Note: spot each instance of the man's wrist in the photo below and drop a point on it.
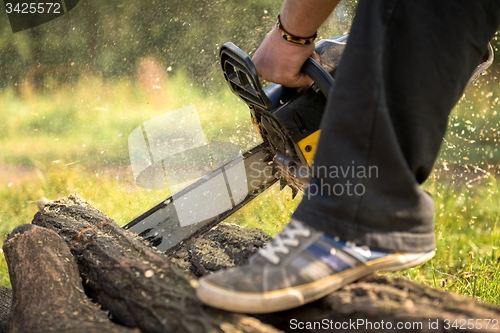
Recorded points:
(294, 38)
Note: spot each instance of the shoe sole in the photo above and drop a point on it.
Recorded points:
(289, 298)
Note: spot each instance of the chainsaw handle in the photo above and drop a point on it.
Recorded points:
(322, 79)
(241, 76)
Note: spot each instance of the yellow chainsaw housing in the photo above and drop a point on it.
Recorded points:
(308, 146)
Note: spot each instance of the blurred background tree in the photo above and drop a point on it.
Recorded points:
(110, 38)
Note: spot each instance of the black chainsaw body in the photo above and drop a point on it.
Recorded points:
(285, 116)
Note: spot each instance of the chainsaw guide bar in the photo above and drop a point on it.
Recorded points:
(288, 121)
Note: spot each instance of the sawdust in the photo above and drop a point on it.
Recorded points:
(225, 245)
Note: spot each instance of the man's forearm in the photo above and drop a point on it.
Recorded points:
(304, 17)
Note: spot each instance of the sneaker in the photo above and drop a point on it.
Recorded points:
(299, 266)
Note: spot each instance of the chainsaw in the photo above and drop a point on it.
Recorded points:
(288, 121)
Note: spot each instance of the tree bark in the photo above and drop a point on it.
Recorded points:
(143, 288)
(379, 304)
(138, 285)
(5, 305)
(48, 294)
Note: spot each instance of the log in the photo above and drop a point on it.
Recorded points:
(48, 294)
(138, 285)
(5, 305)
(143, 288)
(380, 303)
(225, 245)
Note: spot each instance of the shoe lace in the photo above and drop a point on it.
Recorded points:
(285, 239)
(362, 250)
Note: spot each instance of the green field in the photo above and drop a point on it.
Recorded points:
(74, 140)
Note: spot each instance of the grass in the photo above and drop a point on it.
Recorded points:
(89, 123)
(467, 230)
(74, 140)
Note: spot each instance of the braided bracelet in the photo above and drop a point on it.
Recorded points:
(294, 39)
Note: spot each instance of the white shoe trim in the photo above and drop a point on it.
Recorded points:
(288, 298)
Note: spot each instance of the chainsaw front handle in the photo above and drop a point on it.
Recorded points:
(322, 79)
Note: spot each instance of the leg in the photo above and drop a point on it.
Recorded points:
(404, 68)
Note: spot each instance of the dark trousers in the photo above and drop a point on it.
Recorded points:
(405, 66)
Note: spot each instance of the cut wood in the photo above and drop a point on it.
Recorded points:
(48, 294)
(5, 305)
(384, 304)
(139, 286)
(143, 288)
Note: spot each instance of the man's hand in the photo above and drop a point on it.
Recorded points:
(280, 61)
